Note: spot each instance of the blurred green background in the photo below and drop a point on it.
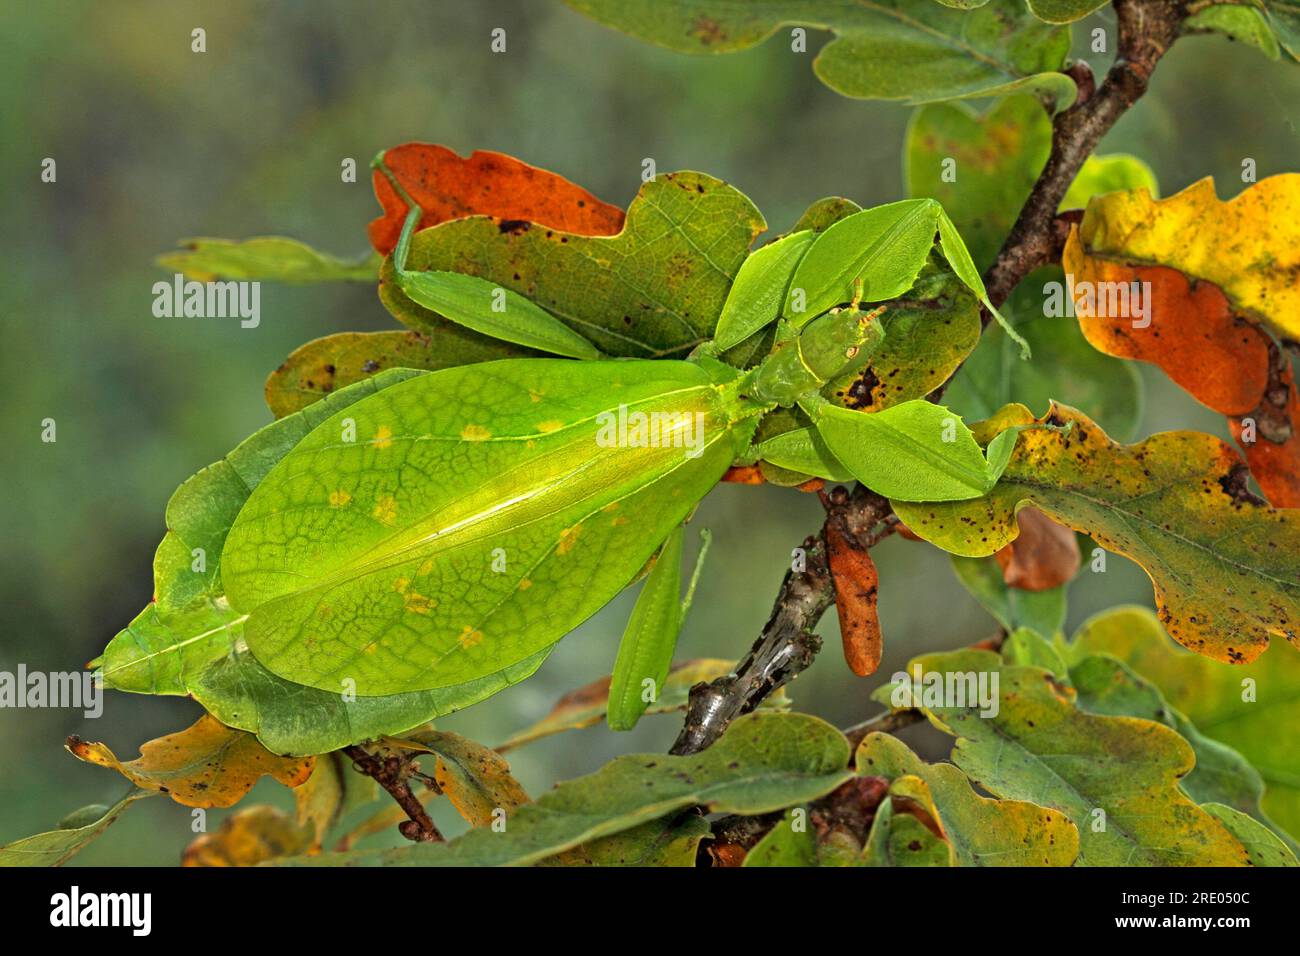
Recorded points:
(155, 143)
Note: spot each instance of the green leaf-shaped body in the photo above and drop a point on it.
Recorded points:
(479, 514)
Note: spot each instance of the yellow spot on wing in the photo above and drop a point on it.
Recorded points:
(417, 603)
(525, 584)
(401, 584)
(469, 637)
(339, 499)
(383, 437)
(534, 395)
(426, 567)
(619, 521)
(385, 511)
(568, 538)
(475, 433)
(549, 426)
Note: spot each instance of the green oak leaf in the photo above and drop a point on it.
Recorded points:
(75, 832)
(273, 258)
(980, 831)
(1028, 648)
(898, 839)
(379, 561)
(1225, 568)
(1240, 706)
(1261, 843)
(1245, 23)
(1064, 367)
(980, 167)
(1106, 685)
(325, 365)
(886, 49)
(654, 290)
(764, 762)
(783, 845)
(824, 213)
(1064, 11)
(1109, 174)
(673, 840)
(1040, 747)
(1041, 611)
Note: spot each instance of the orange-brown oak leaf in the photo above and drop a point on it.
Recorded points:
(205, 765)
(1043, 556)
(1219, 358)
(447, 186)
(1270, 438)
(1221, 280)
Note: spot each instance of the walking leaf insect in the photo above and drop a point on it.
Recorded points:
(462, 521)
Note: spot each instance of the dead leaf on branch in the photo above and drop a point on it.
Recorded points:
(1248, 246)
(247, 838)
(1043, 556)
(206, 765)
(475, 778)
(1221, 278)
(447, 186)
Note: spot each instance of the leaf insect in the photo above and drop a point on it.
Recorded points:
(371, 561)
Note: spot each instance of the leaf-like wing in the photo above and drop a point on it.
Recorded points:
(190, 641)
(205, 765)
(475, 520)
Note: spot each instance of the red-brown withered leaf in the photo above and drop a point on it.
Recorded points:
(1220, 278)
(447, 186)
(1218, 357)
(1272, 443)
(1044, 555)
(205, 765)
